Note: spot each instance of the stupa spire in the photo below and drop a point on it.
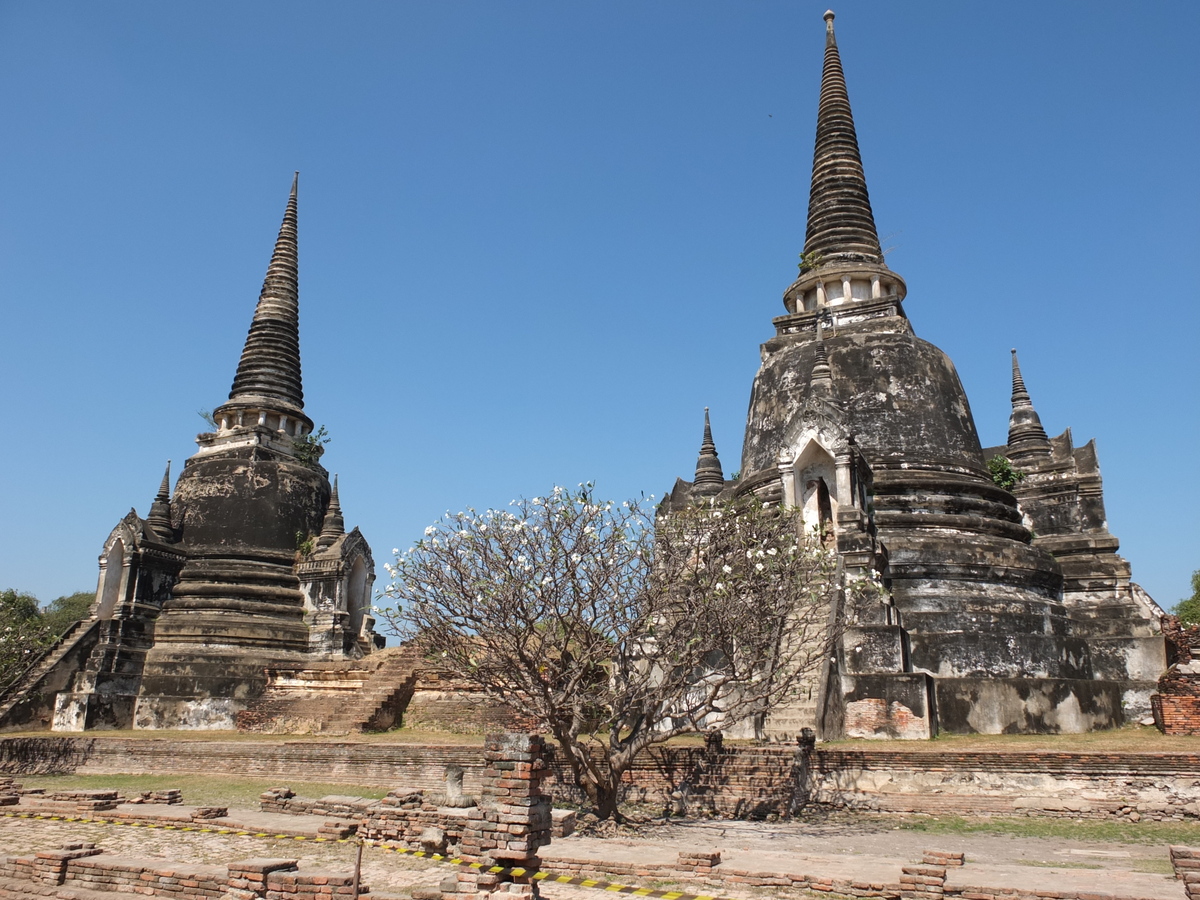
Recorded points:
(158, 521)
(710, 478)
(1026, 436)
(334, 526)
(268, 375)
(841, 226)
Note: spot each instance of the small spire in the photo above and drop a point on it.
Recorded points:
(821, 383)
(334, 525)
(164, 489)
(268, 374)
(841, 225)
(158, 522)
(710, 478)
(1026, 436)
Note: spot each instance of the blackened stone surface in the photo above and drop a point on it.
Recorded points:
(1026, 705)
(249, 500)
(238, 605)
(901, 395)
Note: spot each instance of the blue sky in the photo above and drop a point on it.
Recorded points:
(538, 238)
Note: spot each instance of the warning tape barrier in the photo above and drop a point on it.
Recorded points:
(483, 868)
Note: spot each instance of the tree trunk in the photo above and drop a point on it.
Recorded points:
(607, 803)
(601, 785)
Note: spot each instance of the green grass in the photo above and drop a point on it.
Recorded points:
(201, 790)
(1061, 829)
(1047, 864)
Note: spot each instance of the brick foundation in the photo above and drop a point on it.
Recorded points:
(62, 873)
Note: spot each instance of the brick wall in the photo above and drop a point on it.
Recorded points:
(761, 781)
(442, 702)
(737, 781)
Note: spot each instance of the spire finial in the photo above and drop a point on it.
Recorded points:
(1019, 393)
(164, 489)
(334, 526)
(158, 521)
(710, 477)
(268, 374)
(841, 226)
(1026, 436)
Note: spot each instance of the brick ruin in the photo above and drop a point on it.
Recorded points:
(1176, 705)
(1008, 609)
(505, 825)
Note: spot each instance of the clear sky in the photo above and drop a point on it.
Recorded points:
(538, 238)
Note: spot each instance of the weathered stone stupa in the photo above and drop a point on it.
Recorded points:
(246, 567)
(867, 428)
(253, 491)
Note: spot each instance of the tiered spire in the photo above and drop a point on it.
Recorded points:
(268, 375)
(158, 521)
(841, 226)
(1026, 436)
(710, 478)
(334, 525)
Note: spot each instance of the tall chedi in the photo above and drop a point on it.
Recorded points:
(866, 428)
(252, 494)
(233, 585)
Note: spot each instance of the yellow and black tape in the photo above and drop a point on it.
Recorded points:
(516, 871)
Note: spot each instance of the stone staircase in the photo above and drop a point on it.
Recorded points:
(381, 701)
(369, 694)
(50, 673)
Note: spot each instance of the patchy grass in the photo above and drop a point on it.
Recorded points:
(1130, 739)
(1060, 829)
(1047, 864)
(398, 736)
(201, 790)
(1153, 866)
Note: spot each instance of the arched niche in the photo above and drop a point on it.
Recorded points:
(112, 580)
(357, 599)
(815, 472)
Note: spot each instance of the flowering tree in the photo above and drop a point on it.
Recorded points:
(614, 634)
(23, 634)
